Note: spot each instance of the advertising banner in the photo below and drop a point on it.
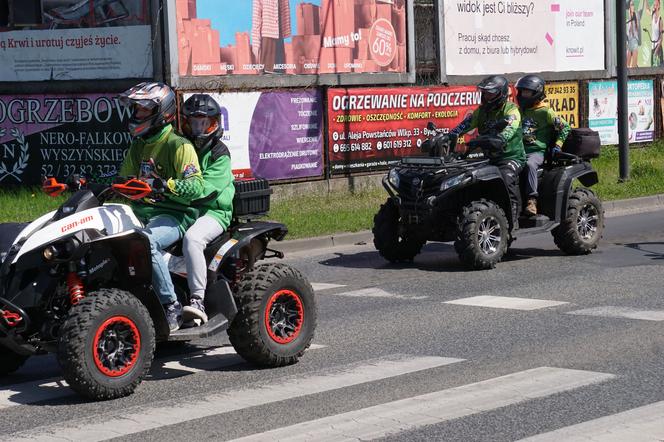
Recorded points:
(490, 36)
(603, 110)
(371, 128)
(75, 40)
(58, 135)
(644, 33)
(273, 135)
(291, 37)
(564, 99)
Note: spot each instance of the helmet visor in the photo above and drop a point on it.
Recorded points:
(198, 126)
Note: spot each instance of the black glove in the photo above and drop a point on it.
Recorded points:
(453, 141)
(158, 185)
(75, 182)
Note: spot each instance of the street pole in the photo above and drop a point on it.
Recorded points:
(623, 122)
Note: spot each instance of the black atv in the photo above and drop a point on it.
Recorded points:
(77, 282)
(463, 198)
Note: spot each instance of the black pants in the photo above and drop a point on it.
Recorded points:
(510, 171)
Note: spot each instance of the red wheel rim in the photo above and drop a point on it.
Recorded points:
(116, 346)
(284, 316)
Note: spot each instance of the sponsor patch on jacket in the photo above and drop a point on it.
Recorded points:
(190, 170)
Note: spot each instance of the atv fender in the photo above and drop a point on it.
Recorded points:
(132, 264)
(492, 186)
(556, 186)
(252, 238)
(8, 234)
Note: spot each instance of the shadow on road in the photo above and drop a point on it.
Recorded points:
(435, 257)
(653, 250)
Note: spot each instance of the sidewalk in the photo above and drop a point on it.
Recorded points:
(611, 209)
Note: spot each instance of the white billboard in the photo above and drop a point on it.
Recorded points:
(489, 36)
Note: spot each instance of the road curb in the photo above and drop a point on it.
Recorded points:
(611, 209)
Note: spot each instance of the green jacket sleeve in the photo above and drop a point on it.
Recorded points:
(187, 185)
(217, 177)
(559, 124)
(513, 117)
(469, 123)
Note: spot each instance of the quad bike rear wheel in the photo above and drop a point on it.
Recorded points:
(106, 344)
(482, 236)
(582, 228)
(389, 240)
(10, 361)
(276, 316)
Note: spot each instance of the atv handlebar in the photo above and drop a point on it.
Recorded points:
(130, 188)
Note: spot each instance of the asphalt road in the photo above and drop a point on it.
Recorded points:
(545, 344)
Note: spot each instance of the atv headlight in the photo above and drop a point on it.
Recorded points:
(60, 250)
(455, 181)
(393, 178)
(50, 253)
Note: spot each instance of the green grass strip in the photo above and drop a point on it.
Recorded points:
(315, 215)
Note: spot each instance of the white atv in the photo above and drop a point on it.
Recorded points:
(77, 282)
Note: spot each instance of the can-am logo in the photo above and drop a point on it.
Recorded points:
(75, 224)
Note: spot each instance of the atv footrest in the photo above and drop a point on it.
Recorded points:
(528, 222)
(215, 325)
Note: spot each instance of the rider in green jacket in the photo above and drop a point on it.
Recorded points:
(498, 117)
(159, 155)
(201, 123)
(543, 129)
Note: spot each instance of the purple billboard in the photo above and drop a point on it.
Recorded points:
(273, 135)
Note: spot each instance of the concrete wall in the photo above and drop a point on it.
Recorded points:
(324, 187)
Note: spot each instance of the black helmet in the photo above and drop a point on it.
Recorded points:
(532, 83)
(152, 107)
(201, 120)
(495, 90)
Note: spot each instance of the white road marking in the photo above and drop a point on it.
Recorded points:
(374, 292)
(643, 424)
(610, 311)
(138, 419)
(506, 302)
(54, 388)
(318, 286)
(433, 408)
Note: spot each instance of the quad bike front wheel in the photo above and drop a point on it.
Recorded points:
(106, 345)
(276, 316)
(482, 235)
(10, 361)
(579, 233)
(389, 240)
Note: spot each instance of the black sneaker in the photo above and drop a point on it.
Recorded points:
(173, 315)
(195, 312)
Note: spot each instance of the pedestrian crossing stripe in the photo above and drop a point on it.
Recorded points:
(139, 419)
(504, 302)
(434, 408)
(642, 423)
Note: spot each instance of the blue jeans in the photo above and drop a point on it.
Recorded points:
(162, 231)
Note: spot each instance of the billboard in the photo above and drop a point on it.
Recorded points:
(492, 36)
(371, 128)
(564, 99)
(644, 33)
(273, 135)
(603, 110)
(75, 40)
(58, 135)
(291, 37)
